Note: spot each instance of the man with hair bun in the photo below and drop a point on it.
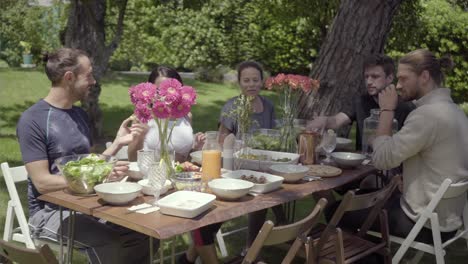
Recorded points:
(432, 145)
(53, 128)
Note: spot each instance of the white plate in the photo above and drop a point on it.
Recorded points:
(186, 204)
(264, 165)
(342, 143)
(196, 157)
(273, 182)
(146, 189)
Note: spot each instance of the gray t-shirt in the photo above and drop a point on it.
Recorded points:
(47, 133)
(265, 119)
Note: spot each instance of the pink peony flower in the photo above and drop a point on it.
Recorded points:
(143, 92)
(180, 110)
(188, 95)
(269, 83)
(143, 112)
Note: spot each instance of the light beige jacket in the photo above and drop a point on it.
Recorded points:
(433, 146)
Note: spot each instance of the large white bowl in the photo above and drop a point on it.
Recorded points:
(186, 203)
(118, 193)
(230, 189)
(272, 182)
(148, 190)
(348, 159)
(290, 172)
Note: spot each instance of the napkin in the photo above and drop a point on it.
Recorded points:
(144, 208)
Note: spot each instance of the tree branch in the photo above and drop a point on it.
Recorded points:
(119, 27)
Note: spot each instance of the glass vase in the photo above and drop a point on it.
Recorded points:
(157, 175)
(167, 157)
(288, 136)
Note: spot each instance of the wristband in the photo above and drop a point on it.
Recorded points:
(389, 110)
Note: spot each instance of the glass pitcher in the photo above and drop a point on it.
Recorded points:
(211, 157)
(371, 124)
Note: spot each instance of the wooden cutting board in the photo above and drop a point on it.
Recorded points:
(323, 171)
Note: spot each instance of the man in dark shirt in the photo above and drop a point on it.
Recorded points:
(379, 71)
(53, 128)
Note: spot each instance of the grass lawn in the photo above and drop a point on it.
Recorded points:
(19, 89)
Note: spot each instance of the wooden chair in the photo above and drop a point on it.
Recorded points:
(271, 235)
(331, 244)
(446, 190)
(23, 255)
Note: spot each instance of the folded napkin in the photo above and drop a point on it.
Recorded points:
(144, 208)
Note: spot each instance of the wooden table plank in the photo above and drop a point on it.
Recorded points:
(164, 226)
(82, 204)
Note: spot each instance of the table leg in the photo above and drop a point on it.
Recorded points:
(151, 250)
(173, 250)
(71, 234)
(61, 257)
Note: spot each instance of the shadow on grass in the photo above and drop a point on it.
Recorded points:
(9, 116)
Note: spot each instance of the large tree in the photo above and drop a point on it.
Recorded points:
(86, 30)
(360, 28)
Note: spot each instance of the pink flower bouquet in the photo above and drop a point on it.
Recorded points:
(171, 100)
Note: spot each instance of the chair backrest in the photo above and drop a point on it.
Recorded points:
(353, 202)
(270, 235)
(13, 176)
(122, 154)
(22, 255)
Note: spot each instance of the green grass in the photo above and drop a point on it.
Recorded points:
(19, 89)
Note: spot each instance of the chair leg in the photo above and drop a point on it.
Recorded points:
(221, 243)
(409, 239)
(340, 257)
(292, 251)
(438, 250)
(8, 231)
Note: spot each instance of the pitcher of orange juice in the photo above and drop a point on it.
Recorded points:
(211, 157)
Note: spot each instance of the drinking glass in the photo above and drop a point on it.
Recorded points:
(328, 143)
(144, 160)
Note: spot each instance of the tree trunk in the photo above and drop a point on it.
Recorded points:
(86, 31)
(359, 29)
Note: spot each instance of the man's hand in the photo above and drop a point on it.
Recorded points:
(319, 123)
(388, 98)
(119, 171)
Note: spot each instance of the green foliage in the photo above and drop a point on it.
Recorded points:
(440, 27)
(36, 25)
(464, 106)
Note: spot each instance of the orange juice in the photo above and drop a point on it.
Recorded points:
(211, 164)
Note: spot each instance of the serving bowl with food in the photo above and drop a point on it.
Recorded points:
(290, 172)
(263, 182)
(188, 181)
(261, 160)
(265, 139)
(84, 171)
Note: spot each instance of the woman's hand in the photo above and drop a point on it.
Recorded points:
(199, 141)
(127, 134)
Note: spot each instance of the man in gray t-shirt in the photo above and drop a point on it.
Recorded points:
(53, 128)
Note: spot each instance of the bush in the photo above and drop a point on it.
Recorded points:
(464, 106)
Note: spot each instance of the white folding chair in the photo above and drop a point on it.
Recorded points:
(446, 190)
(14, 208)
(122, 154)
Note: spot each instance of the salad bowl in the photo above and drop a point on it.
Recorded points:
(84, 171)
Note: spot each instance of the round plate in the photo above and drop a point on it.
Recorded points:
(323, 171)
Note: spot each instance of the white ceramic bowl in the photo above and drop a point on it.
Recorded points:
(272, 183)
(290, 172)
(118, 193)
(134, 171)
(230, 189)
(148, 190)
(348, 159)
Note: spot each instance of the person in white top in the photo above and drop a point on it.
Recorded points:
(182, 139)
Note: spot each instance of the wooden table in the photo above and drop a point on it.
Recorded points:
(161, 226)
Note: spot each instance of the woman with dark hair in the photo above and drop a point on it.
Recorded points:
(182, 138)
(250, 77)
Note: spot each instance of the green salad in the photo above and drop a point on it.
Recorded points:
(265, 142)
(83, 174)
